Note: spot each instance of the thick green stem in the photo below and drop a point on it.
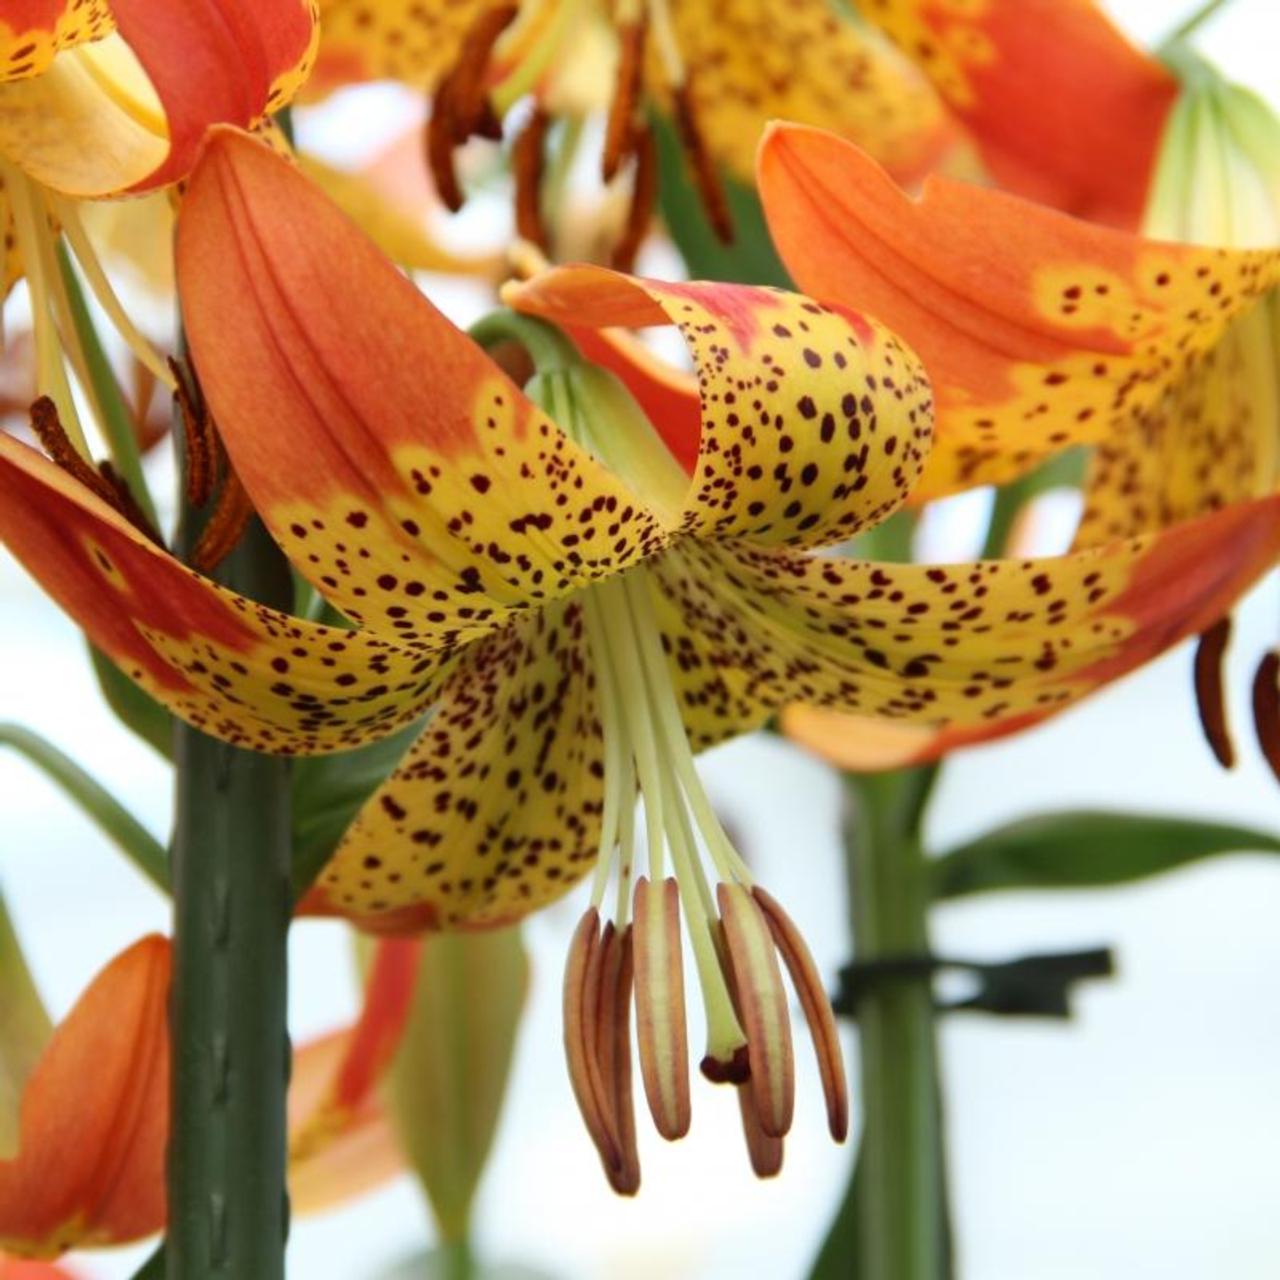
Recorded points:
(228, 1214)
(902, 1231)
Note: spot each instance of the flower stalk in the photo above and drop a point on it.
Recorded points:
(902, 1228)
(232, 900)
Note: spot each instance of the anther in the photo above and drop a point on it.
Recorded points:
(620, 132)
(660, 1016)
(226, 524)
(705, 176)
(1210, 697)
(201, 440)
(613, 1052)
(644, 194)
(527, 157)
(764, 1152)
(1266, 709)
(762, 1006)
(817, 1011)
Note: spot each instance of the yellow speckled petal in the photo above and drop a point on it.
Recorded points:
(236, 669)
(815, 420)
(407, 477)
(33, 31)
(495, 811)
(998, 643)
(1211, 440)
(1037, 330)
(752, 61)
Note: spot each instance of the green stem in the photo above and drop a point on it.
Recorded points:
(113, 415)
(228, 1209)
(548, 348)
(1197, 19)
(459, 1261)
(902, 1228)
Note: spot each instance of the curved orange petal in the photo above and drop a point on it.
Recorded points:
(1063, 108)
(33, 31)
(815, 420)
(1037, 330)
(21, 1269)
(216, 61)
(401, 470)
(230, 666)
(90, 1165)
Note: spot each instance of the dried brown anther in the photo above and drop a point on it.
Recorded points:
(1210, 697)
(1266, 709)
(201, 440)
(624, 110)
(613, 1051)
(765, 1152)
(527, 156)
(226, 524)
(705, 175)
(644, 195)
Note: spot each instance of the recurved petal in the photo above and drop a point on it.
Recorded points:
(495, 811)
(1063, 108)
(982, 648)
(33, 31)
(815, 419)
(1037, 330)
(407, 477)
(227, 665)
(863, 744)
(90, 1163)
(753, 61)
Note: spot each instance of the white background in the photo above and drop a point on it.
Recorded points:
(1141, 1139)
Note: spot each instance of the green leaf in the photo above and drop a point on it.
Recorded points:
(107, 813)
(838, 1257)
(133, 706)
(154, 1268)
(449, 1077)
(1087, 849)
(750, 259)
(446, 1263)
(24, 1031)
(328, 791)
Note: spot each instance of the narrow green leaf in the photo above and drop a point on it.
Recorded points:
(327, 793)
(133, 706)
(154, 1268)
(750, 259)
(838, 1257)
(448, 1263)
(449, 1078)
(1087, 849)
(24, 1031)
(107, 813)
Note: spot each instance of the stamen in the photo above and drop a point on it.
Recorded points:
(644, 195)
(660, 1017)
(1266, 709)
(579, 1041)
(613, 1052)
(1210, 696)
(764, 1152)
(202, 446)
(762, 1005)
(705, 175)
(225, 526)
(527, 157)
(441, 128)
(127, 504)
(817, 1011)
(620, 132)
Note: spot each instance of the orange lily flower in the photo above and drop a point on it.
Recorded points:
(22, 1269)
(1063, 109)
(720, 70)
(89, 1169)
(582, 613)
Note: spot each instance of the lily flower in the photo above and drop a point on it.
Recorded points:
(720, 72)
(581, 611)
(110, 98)
(1062, 107)
(94, 1120)
(1041, 331)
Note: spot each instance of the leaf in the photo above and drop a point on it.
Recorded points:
(750, 259)
(95, 801)
(451, 1264)
(838, 1257)
(449, 1077)
(327, 793)
(24, 1031)
(1087, 849)
(133, 706)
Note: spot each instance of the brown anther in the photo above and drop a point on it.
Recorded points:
(644, 195)
(660, 1017)
(620, 132)
(762, 1006)
(705, 175)
(613, 1052)
(527, 154)
(764, 1151)
(580, 1040)
(57, 445)
(1210, 698)
(226, 524)
(817, 1011)
(460, 104)
(735, 1069)
(202, 445)
(1266, 709)
(127, 504)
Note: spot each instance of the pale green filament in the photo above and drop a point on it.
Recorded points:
(531, 68)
